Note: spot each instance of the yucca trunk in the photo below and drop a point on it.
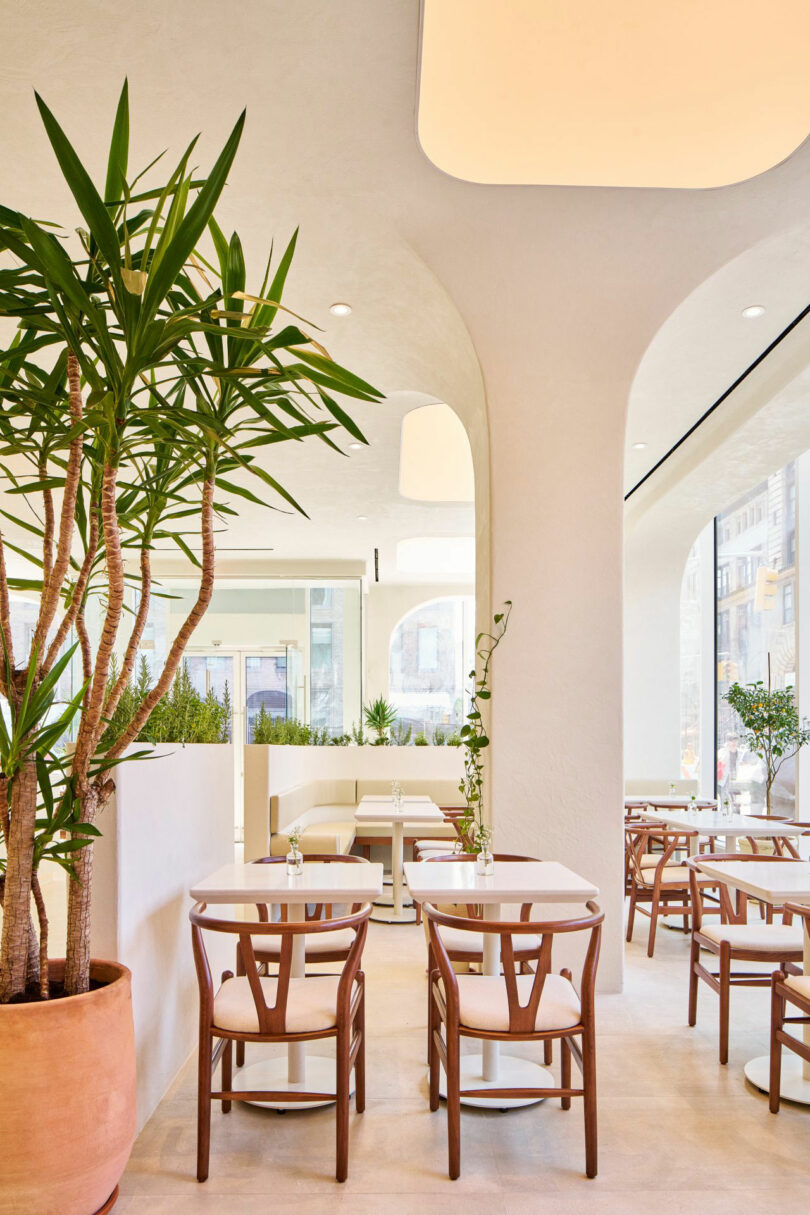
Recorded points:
(16, 935)
(80, 887)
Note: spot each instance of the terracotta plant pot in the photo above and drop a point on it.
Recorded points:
(67, 1097)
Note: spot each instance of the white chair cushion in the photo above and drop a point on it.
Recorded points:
(311, 1004)
(671, 875)
(457, 940)
(314, 942)
(651, 859)
(757, 936)
(484, 1004)
(800, 984)
(434, 845)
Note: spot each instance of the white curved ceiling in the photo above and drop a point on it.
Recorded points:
(706, 344)
(626, 93)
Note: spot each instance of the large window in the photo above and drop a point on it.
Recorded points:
(431, 655)
(295, 643)
(691, 659)
(756, 558)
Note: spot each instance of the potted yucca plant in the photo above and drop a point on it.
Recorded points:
(141, 386)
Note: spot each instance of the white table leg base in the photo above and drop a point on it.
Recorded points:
(273, 1074)
(512, 1073)
(387, 915)
(794, 1087)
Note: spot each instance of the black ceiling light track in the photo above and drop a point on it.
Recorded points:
(723, 397)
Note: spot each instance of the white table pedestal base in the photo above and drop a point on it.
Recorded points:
(274, 1073)
(383, 914)
(512, 1073)
(794, 1087)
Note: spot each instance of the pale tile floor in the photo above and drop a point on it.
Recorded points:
(671, 1121)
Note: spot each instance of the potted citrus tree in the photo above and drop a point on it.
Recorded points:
(773, 729)
(141, 387)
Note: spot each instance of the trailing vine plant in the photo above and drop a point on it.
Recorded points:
(474, 739)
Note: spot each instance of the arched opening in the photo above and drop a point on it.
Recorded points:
(430, 656)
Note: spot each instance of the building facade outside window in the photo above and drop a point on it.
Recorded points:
(431, 653)
(756, 567)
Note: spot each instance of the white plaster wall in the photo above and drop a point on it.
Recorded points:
(169, 824)
(652, 655)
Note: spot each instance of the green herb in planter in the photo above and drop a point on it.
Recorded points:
(380, 716)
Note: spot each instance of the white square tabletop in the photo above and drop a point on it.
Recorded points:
(668, 801)
(512, 882)
(319, 883)
(714, 823)
(771, 881)
(383, 810)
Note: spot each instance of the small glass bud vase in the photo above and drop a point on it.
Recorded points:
(295, 861)
(485, 862)
(396, 794)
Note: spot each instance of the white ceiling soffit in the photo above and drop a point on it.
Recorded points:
(630, 93)
(707, 343)
(449, 556)
(435, 460)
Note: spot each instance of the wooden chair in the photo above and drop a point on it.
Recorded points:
(317, 949)
(733, 940)
(468, 947)
(335, 947)
(279, 1009)
(778, 845)
(793, 989)
(653, 843)
(514, 1008)
(452, 815)
(659, 883)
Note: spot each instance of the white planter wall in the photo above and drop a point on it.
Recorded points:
(170, 823)
(272, 769)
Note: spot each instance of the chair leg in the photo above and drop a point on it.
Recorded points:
(453, 1102)
(227, 1073)
(653, 926)
(725, 992)
(434, 1062)
(431, 965)
(240, 1054)
(565, 1071)
(589, 1099)
(631, 912)
(548, 1052)
(342, 1113)
(694, 958)
(360, 1061)
(777, 1018)
(204, 1105)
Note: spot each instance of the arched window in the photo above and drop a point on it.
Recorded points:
(430, 657)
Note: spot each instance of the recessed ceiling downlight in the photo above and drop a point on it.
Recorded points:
(753, 311)
(356, 446)
(639, 446)
(340, 309)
